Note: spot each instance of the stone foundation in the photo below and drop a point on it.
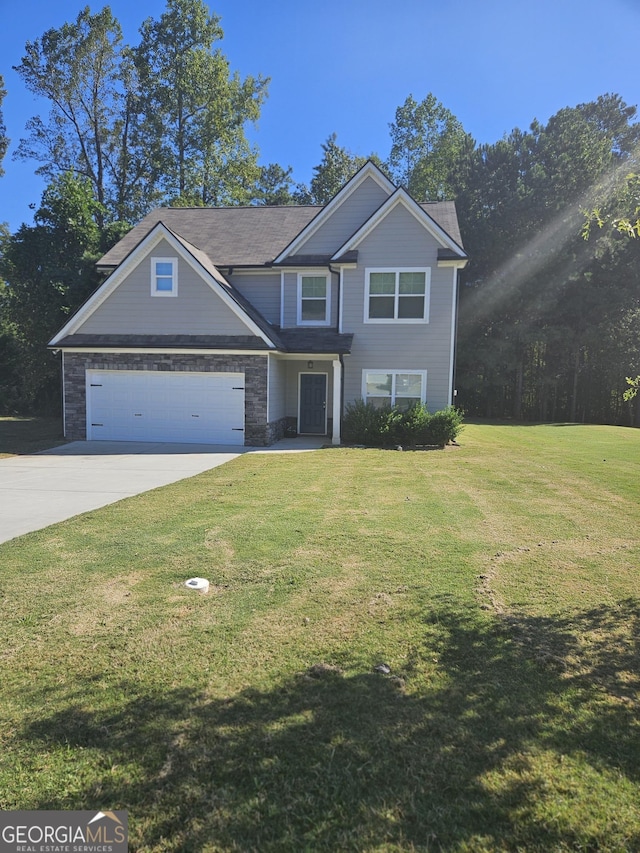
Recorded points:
(276, 430)
(257, 432)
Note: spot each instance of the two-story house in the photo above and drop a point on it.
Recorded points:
(236, 325)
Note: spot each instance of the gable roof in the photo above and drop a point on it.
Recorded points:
(264, 337)
(255, 322)
(369, 170)
(261, 236)
(402, 197)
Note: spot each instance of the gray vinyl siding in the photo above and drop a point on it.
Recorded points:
(263, 292)
(400, 241)
(291, 297)
(346, 220)
(277, 389)
(131, 309)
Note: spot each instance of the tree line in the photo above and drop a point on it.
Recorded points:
(549, 314)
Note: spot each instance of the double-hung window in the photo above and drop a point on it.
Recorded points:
(397, 295)
(314, 299)
(164, 276)
(400, 388)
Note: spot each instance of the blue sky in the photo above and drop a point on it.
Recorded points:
(344, 66)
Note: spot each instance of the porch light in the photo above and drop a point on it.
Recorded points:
(309, 365)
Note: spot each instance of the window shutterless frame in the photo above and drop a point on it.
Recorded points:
(164, 276)
(314, 299)
(394, 387)
(397, 295)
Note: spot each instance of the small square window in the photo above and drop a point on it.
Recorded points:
(164, 276)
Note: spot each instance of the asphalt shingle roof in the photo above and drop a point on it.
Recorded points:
(246, 236)
(444, 213)
(230, 236)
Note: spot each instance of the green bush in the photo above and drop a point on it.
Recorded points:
(444, 426)
(367, 424)
(414, 426)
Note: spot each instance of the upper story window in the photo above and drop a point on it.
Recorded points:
(164, 276)
(397, 295)
(314, 300)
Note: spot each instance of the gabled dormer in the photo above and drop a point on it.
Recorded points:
(353, 205)
(448, 249)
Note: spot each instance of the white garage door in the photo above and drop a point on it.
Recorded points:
(138, 405)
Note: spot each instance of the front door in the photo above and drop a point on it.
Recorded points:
(313, 403)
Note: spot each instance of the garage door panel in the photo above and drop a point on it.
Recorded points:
(173, 406)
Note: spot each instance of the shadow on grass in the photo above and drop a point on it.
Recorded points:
(29, 435)
(352, 763)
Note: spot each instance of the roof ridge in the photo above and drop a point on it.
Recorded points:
(242, 207)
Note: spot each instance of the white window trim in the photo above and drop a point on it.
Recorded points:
(174, 276)
(397, 270)
(327, 278)
(394, 371)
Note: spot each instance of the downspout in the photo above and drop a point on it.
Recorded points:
(338, 331)
(341, 360)
(339, 274)
(455, 339)
(282, 299)
(64, 397)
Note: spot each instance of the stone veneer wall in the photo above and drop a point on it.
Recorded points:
(257, 432)
(276, 430)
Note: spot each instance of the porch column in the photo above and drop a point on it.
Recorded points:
(337, 397)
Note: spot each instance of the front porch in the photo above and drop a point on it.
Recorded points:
(305, 396)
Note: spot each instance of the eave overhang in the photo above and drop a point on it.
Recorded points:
(311, 342)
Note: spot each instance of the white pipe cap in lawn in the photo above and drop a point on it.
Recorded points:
(200, 584)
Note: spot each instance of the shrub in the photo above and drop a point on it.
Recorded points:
(444, 426)
(367, 424)
(413, 427)
(387, 426)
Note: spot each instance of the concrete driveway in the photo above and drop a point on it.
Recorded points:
(47, 487)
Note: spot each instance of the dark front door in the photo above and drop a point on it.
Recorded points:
(313, 403)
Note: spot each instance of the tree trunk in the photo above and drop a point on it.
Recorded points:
(517, 401)
(574, 390)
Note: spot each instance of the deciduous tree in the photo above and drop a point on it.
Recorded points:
(4, 140)
(85, 73)
(427, 146)
(49, 268)
(195, 110)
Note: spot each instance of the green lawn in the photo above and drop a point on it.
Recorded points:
(498, 580)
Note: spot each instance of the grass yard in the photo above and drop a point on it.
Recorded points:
(498, 581)
(29, 435)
